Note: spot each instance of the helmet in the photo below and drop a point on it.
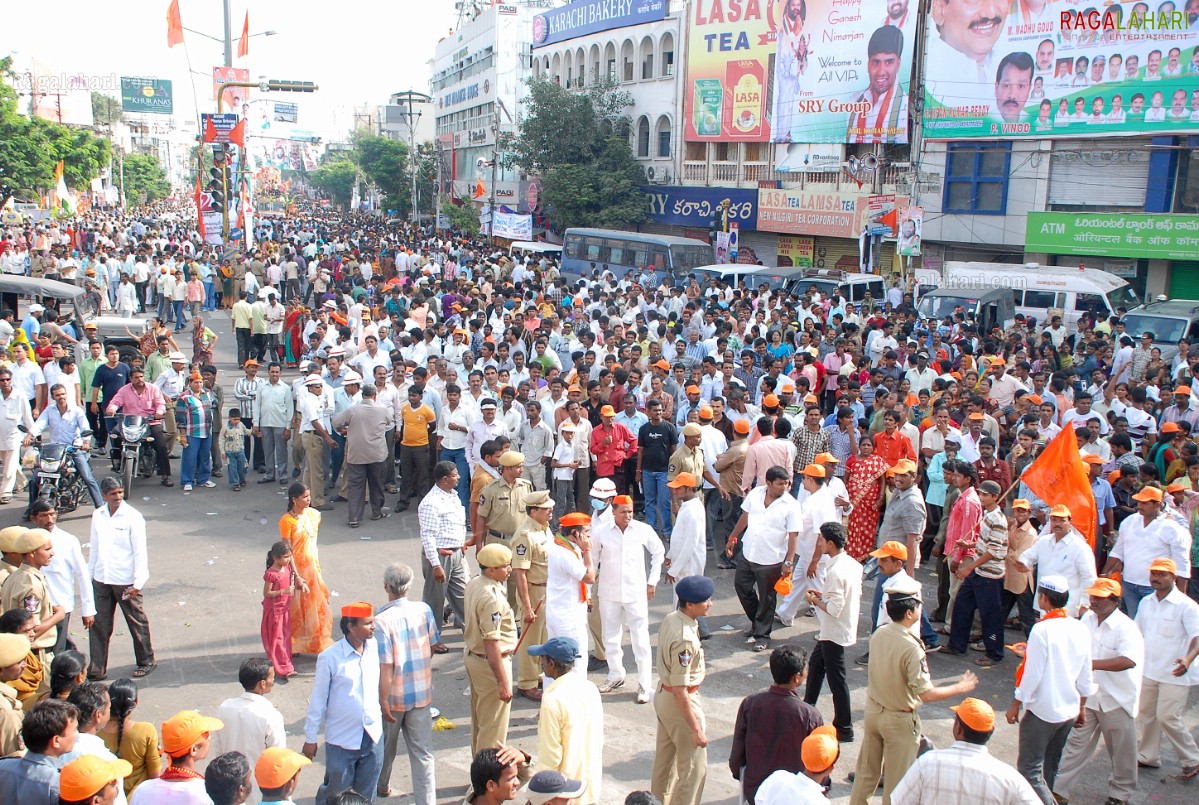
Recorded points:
(603, 488)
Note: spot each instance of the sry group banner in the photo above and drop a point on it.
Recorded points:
(1059, 69)
(842, 70)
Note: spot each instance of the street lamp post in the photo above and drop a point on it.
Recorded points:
(411, 98)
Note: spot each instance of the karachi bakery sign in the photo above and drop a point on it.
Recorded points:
(592, 16)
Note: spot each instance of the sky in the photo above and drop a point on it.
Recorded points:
(358, 52)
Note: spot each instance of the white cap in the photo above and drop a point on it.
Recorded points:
(1055, 584)
(352, 377)
(36, 308)
(177, 357)
(603, 488)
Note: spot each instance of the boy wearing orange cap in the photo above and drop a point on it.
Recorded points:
(277, 773)
(91, 780)
(819, 753)
(185, 742)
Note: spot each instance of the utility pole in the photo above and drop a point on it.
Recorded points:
(228, 34)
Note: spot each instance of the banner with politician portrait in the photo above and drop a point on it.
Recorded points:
(1061, 68)
(841, 71)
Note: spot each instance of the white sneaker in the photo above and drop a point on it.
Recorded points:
(187, 487)
(642, 695)
(611, 685)
(208, 485)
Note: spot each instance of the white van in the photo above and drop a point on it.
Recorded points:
(534, 247)
(1039, 291)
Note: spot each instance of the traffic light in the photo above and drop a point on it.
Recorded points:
(221, 181)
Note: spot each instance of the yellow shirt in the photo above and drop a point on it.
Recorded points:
(570, 732)
(416, 425)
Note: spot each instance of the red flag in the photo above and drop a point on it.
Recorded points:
(199, 212)
(243, 44)
(174, 25)
(1058, 476)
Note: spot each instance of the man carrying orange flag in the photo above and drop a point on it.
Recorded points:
(1058, 476)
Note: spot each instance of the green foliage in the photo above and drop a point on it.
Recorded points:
(465, 218)
(106, 109)
(579, 143)
(30, 149)
(384, 162)
(337, 179)
(145, 180)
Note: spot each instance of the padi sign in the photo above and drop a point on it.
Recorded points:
(592, 16)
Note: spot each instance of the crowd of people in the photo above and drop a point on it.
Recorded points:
(571, 444)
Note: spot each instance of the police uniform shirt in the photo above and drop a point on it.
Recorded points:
(503, 506)
(6, 570)
(686, 460)
(488, 616)
(898, 670)
(11, 716)
(680, 654)
(530, 552)
(27, 589)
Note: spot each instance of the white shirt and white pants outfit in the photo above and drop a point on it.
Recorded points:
(1111, 712)
(1169, 625)
(623, 595)
(817, 508)
(566, 599)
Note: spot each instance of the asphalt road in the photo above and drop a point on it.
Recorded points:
(207, 556)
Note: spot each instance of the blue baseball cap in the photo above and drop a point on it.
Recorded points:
(560, 649)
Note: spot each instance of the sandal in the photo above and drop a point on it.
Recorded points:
(441, 648)
(761, 647)
(4, 501)
(143, 670)
(167, 482)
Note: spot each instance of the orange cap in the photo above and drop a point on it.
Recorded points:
(825, 458)
(1149, 493)
(607, 410)
(683, 479)
(1171, 427)
(181, 731)
(1060, 510)
(662, 364)
(741, 426)
(85, 776)
(692, 389)
(1091, 458)
(573, 387)
(819, 752)
(893, 550)
(977, 416)
(1035, 399)
(358, 609)
(706, 412)
(277, 765)
(997, 361)
(1178, 486)
(770, 401)
(1182, 389)
(622, 500)
(1106, 588)
(814, 471)
(1163, 565)
(976, 714)
(575, 519)
(1021, 503)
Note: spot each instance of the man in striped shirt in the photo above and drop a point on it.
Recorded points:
(442, 520)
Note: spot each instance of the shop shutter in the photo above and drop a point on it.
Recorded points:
(1098, 173)
(1184, 280)
(764, 245)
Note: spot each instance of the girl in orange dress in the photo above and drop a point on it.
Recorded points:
(311, 617)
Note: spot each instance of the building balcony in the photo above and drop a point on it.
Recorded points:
(752, 174)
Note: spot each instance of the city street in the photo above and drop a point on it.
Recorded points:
(207, 555)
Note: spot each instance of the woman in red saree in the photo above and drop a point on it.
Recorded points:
(866, 481)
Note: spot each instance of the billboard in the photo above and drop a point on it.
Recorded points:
(795, 250)
(1065, 69)
(694, 206)
(235, 98)
(1150, 237)
(224, 129)
(286, 113)
(811, 212)
(592, 16)
(808, 158)
(730, 63)
(841, 71)
(146, 96)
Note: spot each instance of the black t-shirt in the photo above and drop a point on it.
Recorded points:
(659, 442)
(109, 380)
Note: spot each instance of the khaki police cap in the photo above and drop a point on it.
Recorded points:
(13, 649)
(31, 540)
(495, 555)
(8, 537)
(512, 459)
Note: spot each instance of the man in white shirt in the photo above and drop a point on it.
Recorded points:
(119, 569)
(625, 590)
(837, 608)
(1055, 680)
(345, 700)
(66, 572)
(1117, 658)
(252, 723)
(1145, 537)
(1063, 552)
(818, 504)
(1170, 622)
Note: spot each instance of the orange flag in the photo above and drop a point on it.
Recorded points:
(243, 44)
(480, 190)
(174, 25)
(1059, 476)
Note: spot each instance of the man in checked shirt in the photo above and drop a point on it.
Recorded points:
(443, 538)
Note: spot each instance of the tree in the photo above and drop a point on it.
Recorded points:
(465, 219)
(579, 143)
(106, 109)
(144, 179)
(336, 178)
(384, 161)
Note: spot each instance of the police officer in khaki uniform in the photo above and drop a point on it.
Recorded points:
(14, 648)
(490, 636)
(690, 456)
(530, 568)
(12, 559)
(681, 756)
(898, 683)
(502, 504)
(27, 589)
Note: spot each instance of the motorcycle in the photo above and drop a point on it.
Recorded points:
(137, 450)
(55, 475)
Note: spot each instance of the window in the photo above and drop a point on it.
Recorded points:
(1091, 302)
(663, 137)
(668, 63)
(643, 137)
(1045, 299)
(1186, 189)
(647, 68)
(976, 177)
